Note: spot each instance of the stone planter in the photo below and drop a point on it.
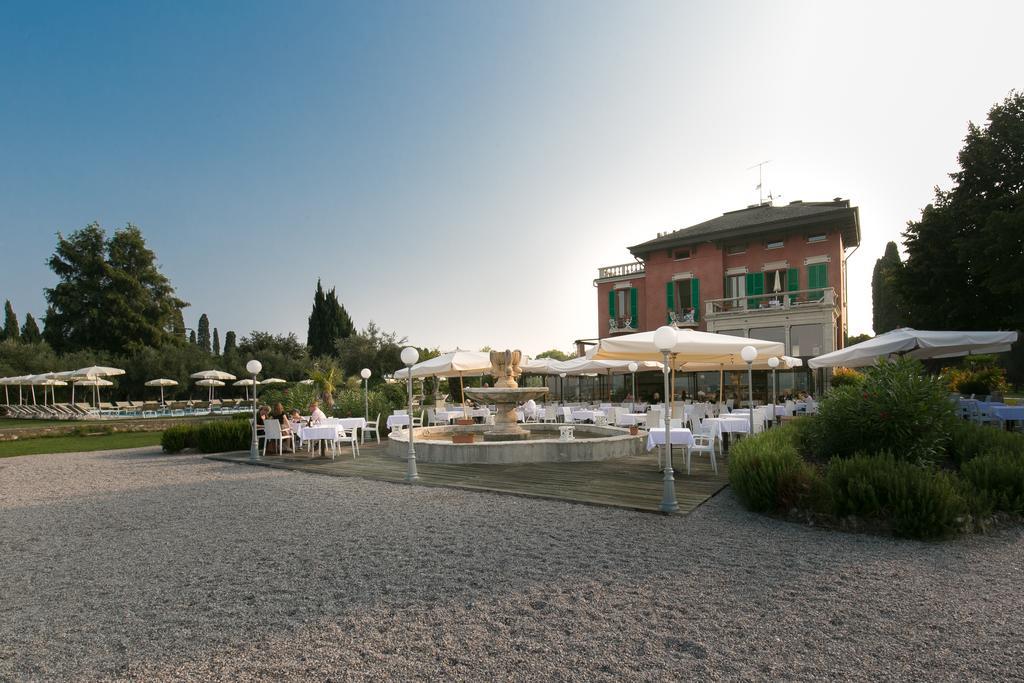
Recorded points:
(465, 421)
(463, 437)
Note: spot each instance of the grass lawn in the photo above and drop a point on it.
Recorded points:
(73, 444)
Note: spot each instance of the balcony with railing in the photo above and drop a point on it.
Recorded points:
(621, 325)
(801, 299)
(621, 270)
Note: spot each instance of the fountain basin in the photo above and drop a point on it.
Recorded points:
(542, 443)
(505, 400)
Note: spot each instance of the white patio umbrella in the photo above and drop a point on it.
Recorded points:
(211, 384)
(457, 363)
(778, 281)
(917, 344)
(95, 383)
(6, 383)
(48, 382)
(161, 382)
(91, 372)
(307, 382)
(273, 380)
(245, 383)
(213, 374)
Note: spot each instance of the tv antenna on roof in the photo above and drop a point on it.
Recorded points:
(760, 180)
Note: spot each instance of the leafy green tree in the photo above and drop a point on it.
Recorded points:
(216, 342)
(372, 348)
(966, 253)
(281, 355)
(192, 337)
(110, 293)
(177, 329)
(886, 305)
(857, 339)
(10, 322)
(203, 333)
(30, 333)
(230, 345)
(554, 353)
(329, 322)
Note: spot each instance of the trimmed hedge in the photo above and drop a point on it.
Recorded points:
(208, 437)
(997, 479)
(768, 475)
(914, 501)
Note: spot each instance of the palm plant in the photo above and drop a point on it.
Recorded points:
(325, 380)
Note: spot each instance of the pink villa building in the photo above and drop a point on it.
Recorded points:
(769, 272)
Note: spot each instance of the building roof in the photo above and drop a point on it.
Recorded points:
(764, 218)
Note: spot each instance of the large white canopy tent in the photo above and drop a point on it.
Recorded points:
(692, 348)
(917, 344)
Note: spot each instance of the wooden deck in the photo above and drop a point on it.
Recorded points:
(633, 483)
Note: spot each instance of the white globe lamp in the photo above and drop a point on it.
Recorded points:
(409, 357)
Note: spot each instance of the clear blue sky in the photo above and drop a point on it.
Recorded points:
(460, 170)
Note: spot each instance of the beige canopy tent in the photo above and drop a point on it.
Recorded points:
(457, 363)
(691, 348)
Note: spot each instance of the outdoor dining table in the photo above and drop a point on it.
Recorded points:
(738, 424)
(447, 415)
(630, 419)
(681, 436)
(398, 421)
(584, 415)
(1008, 414)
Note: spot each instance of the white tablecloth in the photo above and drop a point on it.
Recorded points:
(398, 420)
(1008, 412)
(582, 415)
(319, 433)
(680, 437)
(629, 419)
(351, 422)
(738, 425)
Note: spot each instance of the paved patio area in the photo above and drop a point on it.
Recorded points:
(632, 483)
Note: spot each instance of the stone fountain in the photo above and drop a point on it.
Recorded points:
(506, 395)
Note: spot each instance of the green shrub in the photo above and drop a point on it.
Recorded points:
(969, 440)
(177, 438)
(898, 407)
(768, 475)
(293, 397)
(998, 480)
(913, 501)
(349, 403)
(223, 435)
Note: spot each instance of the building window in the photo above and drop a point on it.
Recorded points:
(774, 244)
(622, 309)
(817, 276)
(681, 254)
(805, 340)
(682, 300)
(817, 238)
(775, 334)
(735, 289)
(736, 249)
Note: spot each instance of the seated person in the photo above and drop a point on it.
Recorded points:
(279, 414)
(294, 416)
(262, 415)
(316, 416)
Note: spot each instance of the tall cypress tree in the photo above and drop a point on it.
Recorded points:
(203, 333)
(216, 342)
(30, 331)
(886, 309)
(10, 323)
(315, 336)
(230, 342)
(191, 336)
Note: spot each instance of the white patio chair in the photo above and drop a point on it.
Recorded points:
(704, 442)
(550, 414)
(345, 436)
(654, 418)
(272, 432)
(675, 423)
(567, 417)
(373, 427)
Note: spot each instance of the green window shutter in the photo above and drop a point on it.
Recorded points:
(755, 285)
(695, 298)
(817, 277)
(611, 304)
(792, 282)
(670, 299)
(632, 307)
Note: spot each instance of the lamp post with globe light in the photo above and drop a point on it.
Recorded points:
(254, 367)
(665, 341)
(748, 354)
(632, 369)
(365, 374)
(773, 363)
(561, 388)
(409, 358)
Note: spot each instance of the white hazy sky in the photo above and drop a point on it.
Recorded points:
(459, 171)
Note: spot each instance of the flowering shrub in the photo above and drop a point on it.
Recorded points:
(898, 408)
(845, 376)
(979, 379)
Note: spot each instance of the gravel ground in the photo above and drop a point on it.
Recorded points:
(135, 565)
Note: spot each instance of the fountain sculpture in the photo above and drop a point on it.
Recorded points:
(506, 395)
